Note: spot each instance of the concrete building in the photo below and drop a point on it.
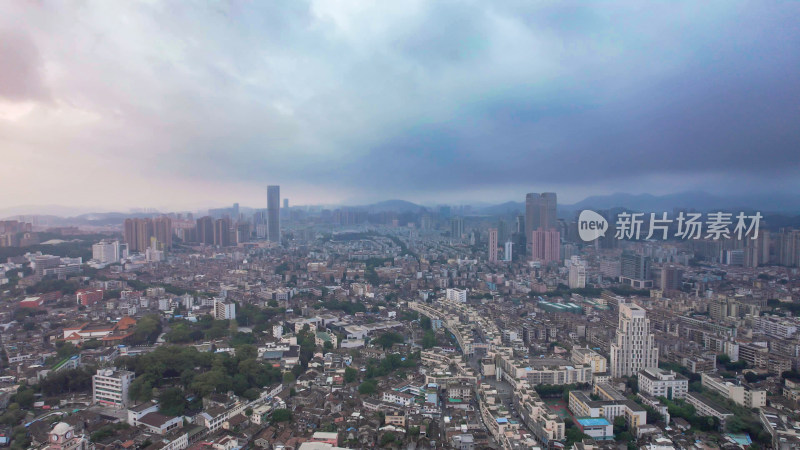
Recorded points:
(456, 295)
(224, 310)
(577, 273)
(706, 407)
(545, 246)
(106, 252)
(587, 356)
(273, 213)
(775, 326)
(110, 387)
(508, 252)
(492, 245)
(656, 382)
(635, 270)
(63, 437)
(635, 348)
(741, 395)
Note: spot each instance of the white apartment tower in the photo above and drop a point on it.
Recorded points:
(635, 348)
(577, 273)
(508, 251)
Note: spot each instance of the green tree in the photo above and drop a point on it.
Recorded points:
(388, 438)
(428, 339)
(368, 387)
(350, 375)
(24, 398)
(281, 415)
(620, 426)
(425, 322)
(172, 402)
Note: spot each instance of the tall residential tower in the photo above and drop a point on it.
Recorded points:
(635, 348)
(540, 213)
(273, 213)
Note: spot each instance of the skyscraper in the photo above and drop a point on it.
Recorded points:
(222, 232)
(492, 245)
(635, 270)
(508, 253)
(545, 246)
(162, 230)
(540, 212)
(456, 227)
(204, 231)
(635, 347)
(671, 278)
(273, 213)
(140, 233)
(502, 231)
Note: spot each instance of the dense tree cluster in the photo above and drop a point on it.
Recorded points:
(67, 381)
(206, 328)
(386, 340)
(198, 373)
(148, 328)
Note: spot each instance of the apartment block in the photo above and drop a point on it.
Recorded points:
(662, 383)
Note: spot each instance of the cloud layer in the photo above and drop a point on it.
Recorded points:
(186, 104)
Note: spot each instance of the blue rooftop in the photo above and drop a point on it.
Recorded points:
(592, 421)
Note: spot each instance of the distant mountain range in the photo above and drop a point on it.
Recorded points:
(700, 201)
(788, 204)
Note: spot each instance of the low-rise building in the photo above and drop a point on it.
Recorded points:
(739, 394)
(662, 383)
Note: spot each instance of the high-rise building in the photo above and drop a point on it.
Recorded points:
(273, 213)
(635, 270)
(457, 227)
(492, 245)
(756, 251)
(788, 247)
(508, 253)
(540, 212)
(635, 348)
(545, 246)
(204, 231)
(502, 231)
(139, 233)
(577, 273)
(222, 232)
(671, 278)
(162, 231)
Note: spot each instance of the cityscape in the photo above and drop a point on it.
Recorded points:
(322, 225)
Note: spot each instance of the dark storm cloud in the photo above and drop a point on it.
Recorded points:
(414, 99)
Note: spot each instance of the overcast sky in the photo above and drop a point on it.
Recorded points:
(181, 105)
